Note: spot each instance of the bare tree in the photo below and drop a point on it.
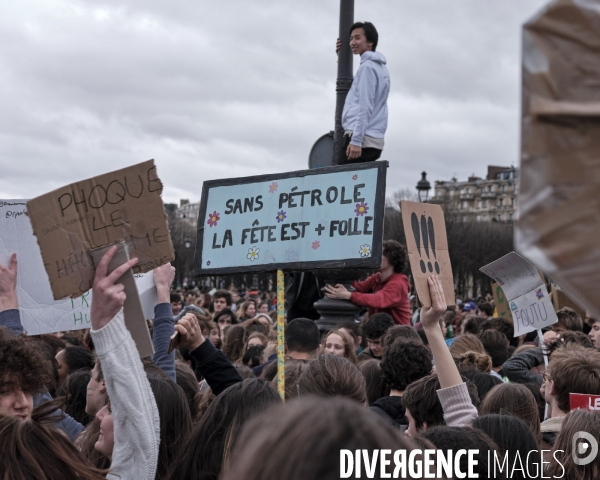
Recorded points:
(402, 194)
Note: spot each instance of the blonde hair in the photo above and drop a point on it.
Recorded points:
(466, 343)
(476, 360)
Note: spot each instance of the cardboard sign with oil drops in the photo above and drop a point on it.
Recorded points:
(427, 246)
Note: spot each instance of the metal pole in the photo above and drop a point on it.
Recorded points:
(344, 78)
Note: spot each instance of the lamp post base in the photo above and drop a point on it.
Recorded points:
(333, 311)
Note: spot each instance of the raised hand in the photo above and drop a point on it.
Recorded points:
(8, 285)
(163, 278)
(190, 335)
(430, 316)
(108, 296)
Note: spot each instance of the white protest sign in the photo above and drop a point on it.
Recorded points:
(40, 313)
(528, 299)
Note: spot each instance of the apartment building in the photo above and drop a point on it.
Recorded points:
(188, 211)
(489, 199)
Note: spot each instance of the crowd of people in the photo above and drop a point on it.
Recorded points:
(83, 405)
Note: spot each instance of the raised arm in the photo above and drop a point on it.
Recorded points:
(11, 320)
(447, 371)
(135, 414)
(454, 395)
(164, 325)
(9, 305)
(212, 364)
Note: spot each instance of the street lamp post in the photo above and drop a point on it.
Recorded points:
(423, 187)
(333, 311)
(344, 79)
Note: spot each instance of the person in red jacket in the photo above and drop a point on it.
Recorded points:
(386, 291)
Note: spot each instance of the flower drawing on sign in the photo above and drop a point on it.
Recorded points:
(280, 216)
(273, 187)
(539, 294)
(354, 177)
(364, 250)
(316, 244)
(213, 218)
(361, 209)
(253, 253)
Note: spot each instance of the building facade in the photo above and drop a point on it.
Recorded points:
(189, 212)
(489, 199)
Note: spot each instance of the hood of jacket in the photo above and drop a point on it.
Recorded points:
(373, 57)
(394, 407)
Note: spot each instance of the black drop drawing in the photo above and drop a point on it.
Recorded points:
(432, 243)
(417, 234)
(425, 231)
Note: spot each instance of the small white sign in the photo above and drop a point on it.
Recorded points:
(525, 292)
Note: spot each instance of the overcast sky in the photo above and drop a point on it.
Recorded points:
(236, 88)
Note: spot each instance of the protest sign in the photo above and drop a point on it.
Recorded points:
(427, 246)
(525, 292)
(502, 308)
(124, 205)
(40, 313)
(559, 206)
(582, 401)
(311, 219)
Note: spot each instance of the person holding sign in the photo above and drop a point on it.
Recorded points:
(386, 291)
(132, 446)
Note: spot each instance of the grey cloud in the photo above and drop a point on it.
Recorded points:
(236, 88)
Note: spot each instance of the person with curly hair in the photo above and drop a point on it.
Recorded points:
(24, 372)
(386, 291)
(404, 362)
(26, 377)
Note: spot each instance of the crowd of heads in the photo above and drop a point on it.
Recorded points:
(365, 384)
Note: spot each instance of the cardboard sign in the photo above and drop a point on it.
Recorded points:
(582, 401)
(525, 292)
(124, 205)
(502, 308)
(40, 313)
(427, 245)
(559, 206)
(326, 218)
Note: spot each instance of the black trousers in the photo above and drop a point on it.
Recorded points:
(367, 154)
